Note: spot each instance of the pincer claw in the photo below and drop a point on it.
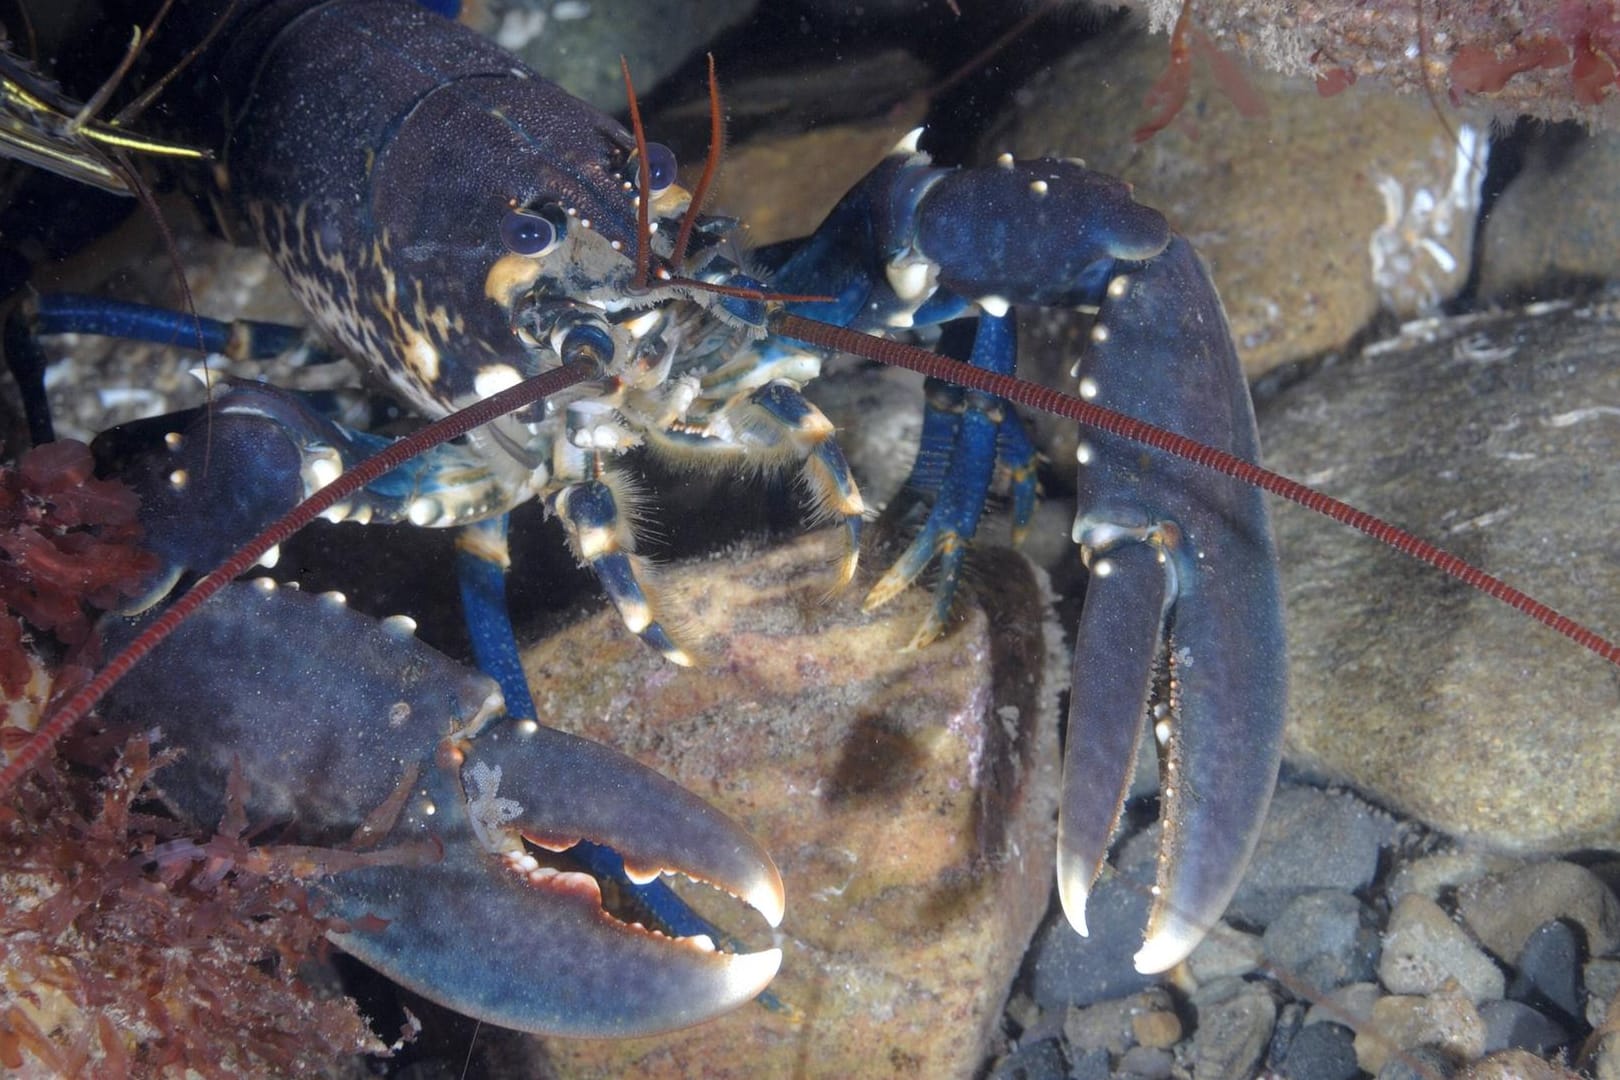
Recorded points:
(526, 946)
(469, 898)
(1183, 607)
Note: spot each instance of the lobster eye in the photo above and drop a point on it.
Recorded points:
(525, 232)
(660, 168)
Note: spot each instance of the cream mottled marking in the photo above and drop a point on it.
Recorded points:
(510, 277)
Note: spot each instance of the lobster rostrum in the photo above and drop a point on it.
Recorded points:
(464, 225)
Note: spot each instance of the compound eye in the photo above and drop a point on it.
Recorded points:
(525, 232)
(660, 168)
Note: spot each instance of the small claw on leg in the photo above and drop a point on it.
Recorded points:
(603, 540)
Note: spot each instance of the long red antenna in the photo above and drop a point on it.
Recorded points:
(711, 166)
(643, 182)
(390, 457)
(1074, 408)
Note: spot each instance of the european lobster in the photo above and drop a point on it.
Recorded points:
(457, 283)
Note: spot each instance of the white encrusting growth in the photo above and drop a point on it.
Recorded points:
(487, 809)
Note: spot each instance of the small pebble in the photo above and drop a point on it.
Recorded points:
(1518, 1065)
(1503, 910)
(1513, 1025)
(1158, 1030)
(1146, 1063)
(1608, 1059)
(1225, 952)
(1290, 1019)
(1348, 1005)
(1033, 1061)
(1548, 975)
(1433, 874)
(1109, 1025)
(1312, 840)
(1423, 948)
(1232, 1034)
(1023, 1011)
(1323, 939)
(1602, 978)
(1322, 1052)
(1091, 1065)
(1402, 1023)
(1419, 1063)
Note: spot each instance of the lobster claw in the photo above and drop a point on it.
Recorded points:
(357, 733)
(489, 932)
(1183, 588)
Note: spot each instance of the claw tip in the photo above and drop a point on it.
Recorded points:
(1165, 948)
(749, 974)
(768, 898)
(1073, 893)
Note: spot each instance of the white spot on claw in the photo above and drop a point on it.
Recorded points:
(995, 306)
(402, 626)
(908, 280)
(322, 471)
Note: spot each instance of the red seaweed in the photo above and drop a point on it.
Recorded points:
(69, 549)
(111, 967)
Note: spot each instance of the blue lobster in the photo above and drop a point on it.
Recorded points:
(459, 224)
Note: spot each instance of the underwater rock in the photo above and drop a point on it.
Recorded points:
(1493, 436)
(1311, 216)
(907, 796)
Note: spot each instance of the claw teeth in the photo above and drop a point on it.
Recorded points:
(559, 880)
(641, 877)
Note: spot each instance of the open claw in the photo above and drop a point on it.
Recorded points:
(500, 938)
(554, 789)
(1183, 595)
(323, 716)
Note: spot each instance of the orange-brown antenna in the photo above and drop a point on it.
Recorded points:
(643, 183)
(711, 166)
